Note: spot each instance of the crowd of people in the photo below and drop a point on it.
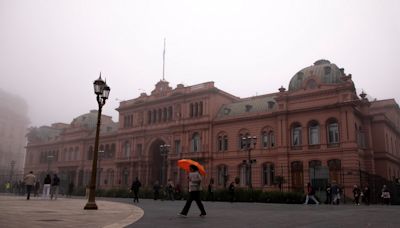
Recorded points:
(30, 184)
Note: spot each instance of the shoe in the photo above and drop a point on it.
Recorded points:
(181, 215)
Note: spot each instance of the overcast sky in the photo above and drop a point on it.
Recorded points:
(51, 51)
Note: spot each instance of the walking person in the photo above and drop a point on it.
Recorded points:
(46, 187)
(70, 189)
(310, 194)
(156, 190)
(194, 192)
(328, 192)
(210, 190)
(55, 184)
(170, 190)
(231, 190)
(366, 195)
(29, 180)
(385, 195)
(36, 188)
(135, 188)
(335, 193)
(356, 194)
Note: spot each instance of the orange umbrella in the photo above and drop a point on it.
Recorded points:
(186, 163)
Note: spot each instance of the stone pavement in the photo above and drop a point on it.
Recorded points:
(16, 211)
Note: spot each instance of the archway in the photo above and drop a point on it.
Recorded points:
(158, 164)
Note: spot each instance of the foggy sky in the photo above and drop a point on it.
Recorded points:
(51, 51)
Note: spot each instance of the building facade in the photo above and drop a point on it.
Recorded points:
(13, 128)
(319, 131)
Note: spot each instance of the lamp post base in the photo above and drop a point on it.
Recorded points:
(90, 206)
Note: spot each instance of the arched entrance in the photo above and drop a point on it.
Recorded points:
(158, 164)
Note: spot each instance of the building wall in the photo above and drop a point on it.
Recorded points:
(362, 147)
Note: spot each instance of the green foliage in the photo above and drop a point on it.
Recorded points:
(241, 195)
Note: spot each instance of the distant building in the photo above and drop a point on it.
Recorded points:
(13, 127)
(319, 131)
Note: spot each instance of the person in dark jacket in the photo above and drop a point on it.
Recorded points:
(135, 189)
(328, 194)
(356, 194)
(55, 186)
(156, 190)
(231, 190)
(366, 195)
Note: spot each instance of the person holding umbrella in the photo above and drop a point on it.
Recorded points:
(194, 192)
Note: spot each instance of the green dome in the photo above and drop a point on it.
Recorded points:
(323, 72)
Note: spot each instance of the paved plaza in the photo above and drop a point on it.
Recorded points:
(115, 212)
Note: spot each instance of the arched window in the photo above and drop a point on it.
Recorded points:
(159, 119)
(154, 119)
(242, 140)
(265, 139)
(271, 136)
(244, 175)
(268, 174)
(126, 149)
(335, 167)
(296, 134)
(200, 108)
(225, 143)
(149, 117)
(195, 142)
(169, 113)
(333, 131)
(222, 175)
(191, 110)
(219, 143)
(313, 133)
(296, 169)
(196, 109)
(165, 114)
(125, 176)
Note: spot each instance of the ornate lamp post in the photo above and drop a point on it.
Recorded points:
(102, 91)
(101, 154)
(164, 149)
(249, 143)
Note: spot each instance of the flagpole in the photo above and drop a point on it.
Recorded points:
(163, 67)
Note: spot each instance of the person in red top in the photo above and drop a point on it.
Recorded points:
(310, 194)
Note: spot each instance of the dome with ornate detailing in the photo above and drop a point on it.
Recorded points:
(322, 72)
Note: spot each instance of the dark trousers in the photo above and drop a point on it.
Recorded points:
(28, 191)
(136, 196)
(195, 195)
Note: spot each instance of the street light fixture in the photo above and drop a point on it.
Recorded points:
(249, 143)
(102, 92)
(164, 149)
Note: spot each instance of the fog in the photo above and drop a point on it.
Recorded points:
(52, 51)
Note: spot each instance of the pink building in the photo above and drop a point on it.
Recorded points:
(319, 131)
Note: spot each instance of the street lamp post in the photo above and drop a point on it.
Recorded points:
(164, 149)
(249, 143)
(49, 160)
(102, 91)
(101, 154)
